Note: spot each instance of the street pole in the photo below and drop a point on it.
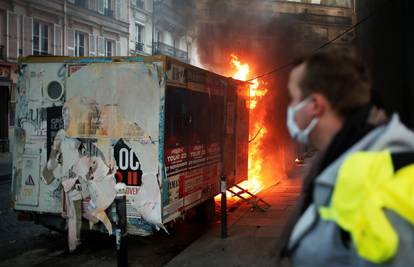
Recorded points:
(121, 225)
(223, 187)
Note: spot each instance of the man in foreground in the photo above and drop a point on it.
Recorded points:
(357, 207)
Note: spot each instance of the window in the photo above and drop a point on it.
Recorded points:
(108, 8)
(109, 48)
(140, 3)
(107, 4)
(40, 38)
(12, 110)
(139, 37)
(340, 3)
(79, 44)
(159, 36)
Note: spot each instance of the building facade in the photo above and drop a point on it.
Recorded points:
(311, 23)
(172, 33)
(81, 28)
(319, 21)
(141, 27)
(160, 27)
(54, 27)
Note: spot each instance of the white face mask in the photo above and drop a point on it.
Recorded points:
(299, 135)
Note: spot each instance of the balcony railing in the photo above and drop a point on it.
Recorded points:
(323, 19)
(81, 3)
(168, 50)
(138, 3)
(108, 12)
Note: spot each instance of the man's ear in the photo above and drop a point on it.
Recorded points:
(319, 105)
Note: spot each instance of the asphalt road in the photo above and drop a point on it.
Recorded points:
(28, 244)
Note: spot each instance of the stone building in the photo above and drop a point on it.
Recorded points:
(161, 27)
(242, 25)
(141, 27)
(172, 33)
(55, 27)
(83, 28)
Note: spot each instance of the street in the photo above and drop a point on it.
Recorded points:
(198, 133)
(28, 244)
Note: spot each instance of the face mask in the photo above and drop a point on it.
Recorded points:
(299, 135)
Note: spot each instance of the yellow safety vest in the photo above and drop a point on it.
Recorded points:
(366, 185)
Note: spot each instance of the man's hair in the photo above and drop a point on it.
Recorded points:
(338, 75)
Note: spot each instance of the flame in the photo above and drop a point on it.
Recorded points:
(257, 90)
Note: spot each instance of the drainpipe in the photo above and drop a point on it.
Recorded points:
(65, 10)
(153, 27)
(129, 16)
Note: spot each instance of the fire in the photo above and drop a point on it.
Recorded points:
(242, 70)
(257, 91)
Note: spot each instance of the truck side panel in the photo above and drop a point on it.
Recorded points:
(201, 138)
(40, 90)
(102, 126)
(126, 97)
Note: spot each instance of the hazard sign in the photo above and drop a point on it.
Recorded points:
(29, 180)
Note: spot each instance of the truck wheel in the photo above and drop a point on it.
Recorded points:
(206, 211)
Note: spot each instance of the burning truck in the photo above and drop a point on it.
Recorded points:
(166, 129)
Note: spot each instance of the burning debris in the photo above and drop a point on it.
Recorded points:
(222, 47)
(257, 130)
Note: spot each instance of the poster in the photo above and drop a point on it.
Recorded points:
(54, 124)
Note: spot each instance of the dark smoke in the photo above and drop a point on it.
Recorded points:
(262, 39)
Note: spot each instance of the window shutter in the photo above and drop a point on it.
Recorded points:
(12, 42)
(118, 48)
(58, 40)
(101, 46)
(27, 36)
(92, 45)
(70, 35)
(100, 6)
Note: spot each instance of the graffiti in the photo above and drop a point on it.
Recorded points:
(84, 143)
(54, 124)
(74, 68)
(22, 102)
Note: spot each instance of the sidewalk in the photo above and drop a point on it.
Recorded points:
(253, 235)
(5, 165)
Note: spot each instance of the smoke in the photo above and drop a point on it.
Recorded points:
(264, 39)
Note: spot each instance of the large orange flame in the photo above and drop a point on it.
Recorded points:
(256, 88)
(257, 91)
